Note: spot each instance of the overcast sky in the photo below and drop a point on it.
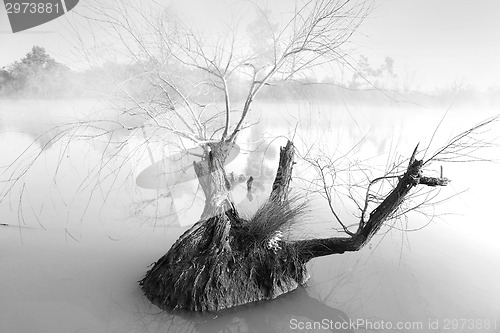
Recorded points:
(441, 41)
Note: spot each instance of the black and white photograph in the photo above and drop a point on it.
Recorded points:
(249, 166)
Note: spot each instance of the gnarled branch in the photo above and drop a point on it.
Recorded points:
(312, 248)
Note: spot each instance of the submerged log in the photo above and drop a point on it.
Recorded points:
(225, 260)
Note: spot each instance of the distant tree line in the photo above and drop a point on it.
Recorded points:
(38, 75)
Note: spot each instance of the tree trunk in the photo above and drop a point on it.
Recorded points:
(224, 260)
(213, 180)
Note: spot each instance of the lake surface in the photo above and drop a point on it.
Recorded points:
(73, 249)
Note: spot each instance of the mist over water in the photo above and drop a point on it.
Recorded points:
(74, 249)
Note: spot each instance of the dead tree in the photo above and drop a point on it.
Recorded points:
(225, 260)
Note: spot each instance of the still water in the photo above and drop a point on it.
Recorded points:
(85, 231)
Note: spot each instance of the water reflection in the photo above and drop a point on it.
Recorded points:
(296, 311)
(41, 133)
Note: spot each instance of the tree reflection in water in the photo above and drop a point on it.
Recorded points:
(271, 316)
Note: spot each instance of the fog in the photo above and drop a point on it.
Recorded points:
(96, 159)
